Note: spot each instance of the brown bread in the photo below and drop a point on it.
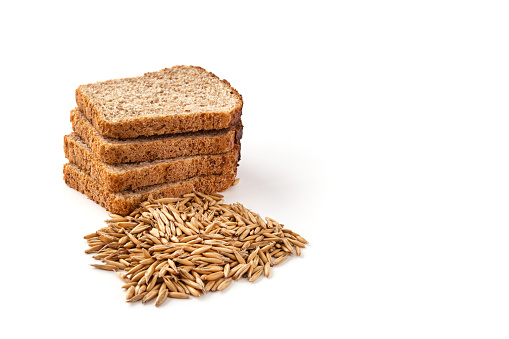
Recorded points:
(124, 202)
(133, 176)
(115, 151)
(173, 100)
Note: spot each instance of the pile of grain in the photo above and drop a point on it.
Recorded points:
(177, 247)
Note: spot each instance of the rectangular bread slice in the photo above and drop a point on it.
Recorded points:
(125, 202)
(133, 176)
(115, 151)
(173, 100)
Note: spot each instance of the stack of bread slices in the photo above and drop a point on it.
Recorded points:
(163, 134)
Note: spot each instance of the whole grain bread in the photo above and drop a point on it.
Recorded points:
(173, 100)
(125, 202)
(115, 151)
(133, 176)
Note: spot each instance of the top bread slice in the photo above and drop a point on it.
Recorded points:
(173, 100)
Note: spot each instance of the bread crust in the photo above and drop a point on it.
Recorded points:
(116, 178)
(113, 151)
(125, 202)
(169, 124)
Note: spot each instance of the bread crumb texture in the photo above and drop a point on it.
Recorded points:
(126, 201)
(176, 90)
(134, 176)
(166, 146)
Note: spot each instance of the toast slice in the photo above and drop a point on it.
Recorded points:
(124, 202)
(173, 100)
(115, 151)
(133, 176)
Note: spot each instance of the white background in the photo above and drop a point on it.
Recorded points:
(376, 129)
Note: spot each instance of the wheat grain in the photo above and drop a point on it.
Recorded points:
(266, 269)
(137, 297)
(178, 295)
(224, 284)
(226, 269)
(149, 296)
(243, 269)
(129, 293)
(105, 267)
(194, 292)
(214, 276)
(256, 274)
(280, 259)
(161, 297)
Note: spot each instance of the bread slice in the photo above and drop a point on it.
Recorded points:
(173, 100)
(133, 176)
(115, 151)
(125, 202)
